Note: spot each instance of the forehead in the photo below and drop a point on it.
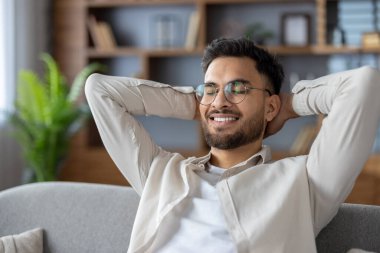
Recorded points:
(225, 69)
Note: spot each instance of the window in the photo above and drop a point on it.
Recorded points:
(2, 56)
(7, 76)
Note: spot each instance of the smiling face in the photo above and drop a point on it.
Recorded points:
(227, 125)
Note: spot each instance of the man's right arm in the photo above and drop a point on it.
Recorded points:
(114, 101)
(344, 142)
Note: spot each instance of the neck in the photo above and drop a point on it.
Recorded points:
(227, 158)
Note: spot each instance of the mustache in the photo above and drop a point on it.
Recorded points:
(223, 111)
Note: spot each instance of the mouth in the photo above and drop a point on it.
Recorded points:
(223, 118)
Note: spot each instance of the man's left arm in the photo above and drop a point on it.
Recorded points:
(345, 140)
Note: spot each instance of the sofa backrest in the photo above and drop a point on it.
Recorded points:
(96, 218)
(76, 217)
(354, 226)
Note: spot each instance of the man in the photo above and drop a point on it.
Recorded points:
(235, 199)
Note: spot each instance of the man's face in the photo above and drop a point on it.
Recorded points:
(227, 125)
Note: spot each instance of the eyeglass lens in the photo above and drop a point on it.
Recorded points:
(234, 93)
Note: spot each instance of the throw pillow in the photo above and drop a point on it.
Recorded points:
(30, 241)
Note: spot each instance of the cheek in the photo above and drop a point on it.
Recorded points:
(252, 108)
(202, 111)
(256, 112)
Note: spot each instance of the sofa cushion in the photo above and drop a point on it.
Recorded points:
(26, 242)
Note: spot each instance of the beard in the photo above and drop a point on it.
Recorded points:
(250, 130)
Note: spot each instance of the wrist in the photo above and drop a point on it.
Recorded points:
(291, 113)
(287, 106)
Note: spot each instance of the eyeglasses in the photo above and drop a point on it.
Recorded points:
(234, 92)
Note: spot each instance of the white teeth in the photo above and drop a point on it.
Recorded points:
(224, 119)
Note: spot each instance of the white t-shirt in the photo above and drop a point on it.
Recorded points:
(198, 224)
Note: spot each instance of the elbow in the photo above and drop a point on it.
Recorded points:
(91, 84)
(368, 79)
(362, 84)
(365, 89)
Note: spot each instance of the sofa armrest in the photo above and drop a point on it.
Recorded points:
(76, 217)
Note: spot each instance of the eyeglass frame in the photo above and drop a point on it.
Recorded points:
(246, 89)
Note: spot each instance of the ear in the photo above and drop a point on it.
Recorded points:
(272, 107)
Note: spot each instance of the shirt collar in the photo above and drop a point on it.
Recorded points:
(261, 157)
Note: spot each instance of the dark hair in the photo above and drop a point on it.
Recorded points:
(266, 63)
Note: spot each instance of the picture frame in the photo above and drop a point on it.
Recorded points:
(295, 29)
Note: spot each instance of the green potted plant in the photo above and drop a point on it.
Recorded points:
(47, 113)
(258, 33)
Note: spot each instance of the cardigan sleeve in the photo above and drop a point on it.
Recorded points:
(350, 102)
(113, 102)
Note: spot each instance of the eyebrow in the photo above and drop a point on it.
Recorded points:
(232, 81)
(240, 80)
(210, 83)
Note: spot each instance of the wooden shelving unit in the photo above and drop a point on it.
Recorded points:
(73, 51)
(82, 7)
(127, 51)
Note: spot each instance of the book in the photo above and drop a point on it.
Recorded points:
(107, 34)
(192, 30)
(95, 33)
(101, 34)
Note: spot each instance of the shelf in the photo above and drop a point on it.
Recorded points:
(130, 51)
(313, 50)
(114, 52)
(285, 50)
(343, 50)
(173, 52)
(120, 3)
(256, 1)
(375, 50)
(279, 50)
(326, 50)
(321, 50)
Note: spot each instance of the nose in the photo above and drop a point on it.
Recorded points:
(220, 100)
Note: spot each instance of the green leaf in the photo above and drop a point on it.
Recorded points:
(46, 116)
(32, 99)
(54, 79)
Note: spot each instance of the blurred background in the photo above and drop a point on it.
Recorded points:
(163, 40)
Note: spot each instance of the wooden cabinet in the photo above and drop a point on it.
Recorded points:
(367, 187)
(132, 22)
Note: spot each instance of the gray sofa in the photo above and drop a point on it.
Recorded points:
(83, 217)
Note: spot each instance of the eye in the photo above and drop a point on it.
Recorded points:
(209, 90)
(236, 88)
